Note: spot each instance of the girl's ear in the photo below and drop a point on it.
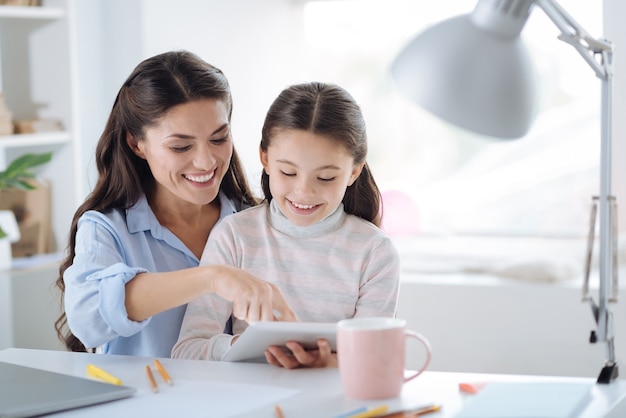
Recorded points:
(263, 158)
(135, 145)
(356, 172)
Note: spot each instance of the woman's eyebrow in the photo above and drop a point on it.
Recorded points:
(186, 136)
(221, 128)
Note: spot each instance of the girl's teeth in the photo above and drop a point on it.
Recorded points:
(299, 206)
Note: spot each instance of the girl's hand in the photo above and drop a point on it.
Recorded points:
(294, 355)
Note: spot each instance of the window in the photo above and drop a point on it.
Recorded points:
(539, 185)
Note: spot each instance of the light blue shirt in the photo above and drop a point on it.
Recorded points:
(111, 248)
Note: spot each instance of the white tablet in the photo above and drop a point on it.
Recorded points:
(253, 342)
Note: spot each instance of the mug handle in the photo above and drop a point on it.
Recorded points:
(426, 344)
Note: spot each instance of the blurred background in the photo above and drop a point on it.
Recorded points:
(437, 179)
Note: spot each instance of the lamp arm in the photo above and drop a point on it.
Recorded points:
(574, 34)
(590, 49)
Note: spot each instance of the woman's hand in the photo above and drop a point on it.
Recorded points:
(253, 299)
(294, 355)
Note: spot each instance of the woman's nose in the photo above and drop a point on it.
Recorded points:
(204, 159)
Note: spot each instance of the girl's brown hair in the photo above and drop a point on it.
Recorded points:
(328, 110)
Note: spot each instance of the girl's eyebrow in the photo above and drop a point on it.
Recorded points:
(324, 167)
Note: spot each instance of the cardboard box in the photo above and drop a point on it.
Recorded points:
(20, 2)
(32, 211)
(31, 126)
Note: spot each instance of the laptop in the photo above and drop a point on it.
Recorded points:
(28, 392)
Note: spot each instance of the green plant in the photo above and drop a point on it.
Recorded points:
(17, 174)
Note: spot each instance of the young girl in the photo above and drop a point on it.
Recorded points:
(316, 237)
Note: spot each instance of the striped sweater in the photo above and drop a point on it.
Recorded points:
(340, 267)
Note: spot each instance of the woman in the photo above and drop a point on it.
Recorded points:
(168, 173)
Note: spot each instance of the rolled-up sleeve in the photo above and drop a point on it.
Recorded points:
(95, 287)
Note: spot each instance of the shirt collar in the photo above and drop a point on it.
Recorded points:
(140, 216)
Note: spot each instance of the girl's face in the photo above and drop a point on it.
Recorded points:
(188, 151)
(308, 174)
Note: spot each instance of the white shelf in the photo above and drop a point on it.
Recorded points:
(39, 80)
(31, 12)
(33, 140)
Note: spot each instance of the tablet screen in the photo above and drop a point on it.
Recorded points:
(253, 342)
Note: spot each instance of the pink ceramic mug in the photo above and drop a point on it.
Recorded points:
(371, 356)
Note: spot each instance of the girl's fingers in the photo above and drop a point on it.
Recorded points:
(283, 358)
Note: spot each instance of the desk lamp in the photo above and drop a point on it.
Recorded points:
(474, 71)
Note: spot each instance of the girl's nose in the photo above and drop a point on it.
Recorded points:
(305, 187)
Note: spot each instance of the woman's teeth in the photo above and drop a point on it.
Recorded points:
(200, 179)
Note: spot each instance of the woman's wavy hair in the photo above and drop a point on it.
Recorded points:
(330, 111)
(154, 87)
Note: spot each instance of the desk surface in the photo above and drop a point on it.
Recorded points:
(303, 393)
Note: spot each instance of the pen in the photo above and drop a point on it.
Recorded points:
(97, 372)
(371, 412)
(153, 383)
(163, 372)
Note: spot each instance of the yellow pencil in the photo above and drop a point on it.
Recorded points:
(427, 410)
(413, 413)
(97, 372)
(163, 372)
(372, 412)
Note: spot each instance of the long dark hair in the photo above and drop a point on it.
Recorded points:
(155, 86)
(328, 110)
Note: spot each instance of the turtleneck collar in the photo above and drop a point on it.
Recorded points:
(279, 221)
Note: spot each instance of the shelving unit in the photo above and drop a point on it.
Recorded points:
(17, 12)
(38, 79)
(33, 140)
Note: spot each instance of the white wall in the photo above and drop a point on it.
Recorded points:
(108, 45)
(490, 325)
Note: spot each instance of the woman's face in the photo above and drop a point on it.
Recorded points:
(188, 150)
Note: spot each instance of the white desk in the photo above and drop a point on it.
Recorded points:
(319, 390)
(29, 305)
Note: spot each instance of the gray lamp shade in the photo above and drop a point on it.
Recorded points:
(471, 77)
